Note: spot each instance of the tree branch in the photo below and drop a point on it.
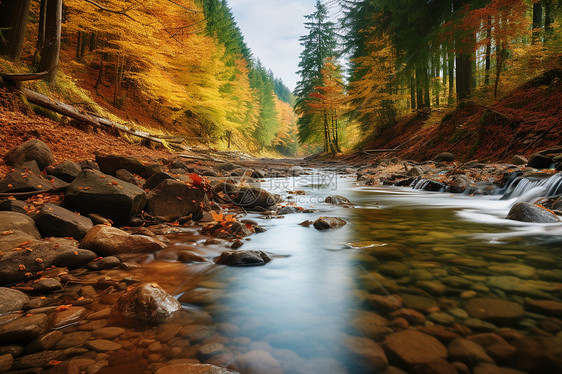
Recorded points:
(101, 7)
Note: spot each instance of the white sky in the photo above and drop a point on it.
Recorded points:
(272, 28)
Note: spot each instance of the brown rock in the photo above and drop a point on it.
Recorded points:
(108, 241)
(413, 347)
(366, 353)
(412, 316)
(485, 368)
(387, 303)
(434, 367)
(324, 223)
(550, 307)
(539, 354)
(193, 369)
(371, 325)
(23, 329)
(256, 362)
(148, 303)
(68, 317)
(494, 310)
(467, 351)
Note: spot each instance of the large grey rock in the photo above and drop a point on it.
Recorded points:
(108, 241)
(176, 199)
(33, 149)
(54, 220)
(527, 212)
(11, 300)
(337, 200)
(243, 258)
(95, 192)
(147, 303)
(20, 181)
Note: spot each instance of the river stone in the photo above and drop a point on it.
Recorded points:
(108, 241)
(550, 307)
(412, 316)
(17, 181)
(413, 347)
(256, 362)
(243, 258)
(252, 197)
(378, 283)
(18, 221)
(95, 192)
(108, 332)
(417, 302)
(324, 223)
(174, 199)
(469, 352)
(520, 286)
(528, 212)
(442, 318)
(147, 303)
(519, 160)
(73, 339)
(370, 324)
(386, 303)
(539, 354)
(486, 368)
(11, 300)
(459, 184)
(68, 317)
(433, 287)
(494, 310)
(394, 269)
(54, 220)
(6, 362)
(23, 329)
(193, 369)
(109, 164)
(367, 354)
(44, 342)
(444, 157)
(156, 179)
(103, 345)
(46, 285)
(33, 149)
(518, 270)
(66, 170)
(104, 263)
(337, 200)
(540, 161)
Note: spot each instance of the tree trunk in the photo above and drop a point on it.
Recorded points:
(537, 22)
(501, 55)
(412, 93)
(13, 21)
(451, 67)
(464, 65)
(51, 48)
(488, 51)
(419, 88)
(548, 18)
(426, 95)
(79, 42)
(40, 33)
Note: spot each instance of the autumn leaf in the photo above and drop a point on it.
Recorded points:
(196, 179)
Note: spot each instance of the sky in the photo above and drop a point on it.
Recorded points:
(271, 29)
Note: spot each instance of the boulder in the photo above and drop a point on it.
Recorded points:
(494, 310)
(89, 164)
(337, 200)
(519, 160)
(18, 221)
(126, 176)
(528, 212)
(459, 184)
(17, 206)
(243, 258)
(11, 300)
(95, 192)
(66, 170)
(415, 171)
(147, 303)
(540, 161)
(412, 347)
(295, 171)
(444, 157)
(108, 241)
(33, 149)
(109, 164)
(324, 223)
(252, 197)
(29, 167)
(23, 329)
(156, 179)
(366, 353)
(18, 181)
(174, 199)
(54, 220)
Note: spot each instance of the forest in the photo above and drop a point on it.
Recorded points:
(184, 67)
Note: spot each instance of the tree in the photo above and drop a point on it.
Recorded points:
(49, 55)
(13, 21)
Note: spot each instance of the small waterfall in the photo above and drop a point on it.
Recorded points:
(420, 184)
(531, 188)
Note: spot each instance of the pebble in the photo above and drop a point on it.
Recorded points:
(413, 347)
(442, 318)
(108, 332)
(73, 339)
(103, 345)
(494, 310)
(467, 351)
(44, 342)
(23, 329)
(68, 317)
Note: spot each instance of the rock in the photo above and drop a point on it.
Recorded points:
(23, 329)
(6, 362)
(33, 149)
(479, 325)
(413, 347)
(17, 206)
(174, 199)
(501, 352)
(295, 171)
(73, 339)
(337, 200)
(435, 367)
(256, 362)
(11, 300)
(519, 270)
(243, 258)
(103, 345)
(147, 303)
(394, 269)
(469, 352)
(104, 263)
(430, 185)
(30, 167)
(54, 220)
(444, 157)
(252, 197)
(370, 324)
(433, 287)
(66, 170)
(383, 302)
(18, 221)
(494, 310)
(539, 161)
(94, 192)
(519, 160)
(17, 181)
(193, 369)
(109, 164)
(109, 241)
(67, 317)
(421, 303)
(550, 307)
(42, 359)
(288, 210)
(46, 285)
(367, 354)
(540, 354)
(44, 342)
(109, 332)
(126, 176)
(520, 286)
(187, 256)
(527, 212)
(459, 184)
(415, 171)
(485, 368)
(155, 180)
(324, 223)
(442, 318)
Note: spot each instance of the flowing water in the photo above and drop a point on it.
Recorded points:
(434, 250)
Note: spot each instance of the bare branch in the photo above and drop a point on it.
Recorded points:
(120, 12)
(186, 8)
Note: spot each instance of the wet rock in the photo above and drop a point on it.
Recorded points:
(459, 184)
(479, 325)
(457, 282)
(17, 181)
(23, 329)
(434, 367)
(417, 302)
(256, 362)
(540, 161)
(109, 332)
(73, 339)
(324, 223)
(432, 287)
(337, 200)
(95, 192)
(383, 302)
(413, 347)
(67, 317)
(295, 171)
(520, 286)
(33, 149)
(378, 283)
(6, 362)
(54, 220)
(253, 197)
(415, 171)
(66, 170)
(46, 285)
(11, 300)
(103, 345)
(444, 157)
(527, 212)
(147, 303)
(443, 334)
(187, 256)
(243, 258)
(44, 342)
(200, 296)
(539, 354)
(366, 353)
(485, 368)
(394, 269)
(501, 352)
(108, 241)
(288, 210)
(519, 270)
(104, 263)
(469, 352)
(494, 310)
(370, 324)
(42, 359)
(174, 199)
(519, 160)
(442, 318)
(193, 369)
(549, 307)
